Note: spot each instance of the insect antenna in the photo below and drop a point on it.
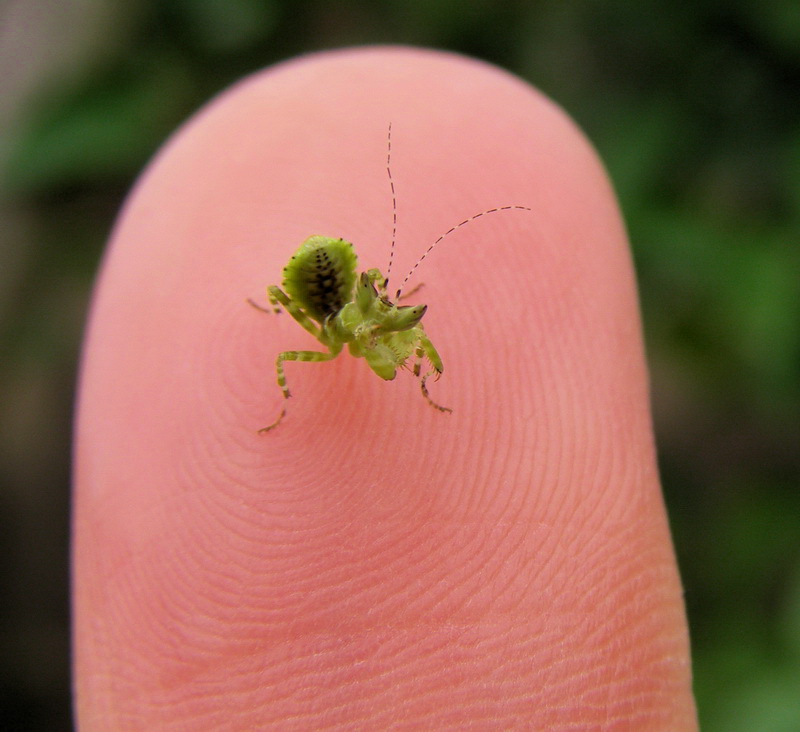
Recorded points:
(450, 231)
(394, 205)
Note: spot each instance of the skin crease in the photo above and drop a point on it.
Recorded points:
(373, 563)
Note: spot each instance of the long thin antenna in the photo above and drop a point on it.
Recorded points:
(450, 231)
(394, 203)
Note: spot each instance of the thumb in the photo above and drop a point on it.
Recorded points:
(373, 563)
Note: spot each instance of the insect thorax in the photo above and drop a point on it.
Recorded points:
(321, 276)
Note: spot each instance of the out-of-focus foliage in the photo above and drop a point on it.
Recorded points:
(695, 108)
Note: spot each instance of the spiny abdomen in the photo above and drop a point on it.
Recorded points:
(321, 275)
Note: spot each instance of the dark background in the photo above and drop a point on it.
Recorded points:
(695, 109)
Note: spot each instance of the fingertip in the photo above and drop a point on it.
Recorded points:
(508, 561)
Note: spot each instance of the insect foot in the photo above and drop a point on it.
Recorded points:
(275, 423)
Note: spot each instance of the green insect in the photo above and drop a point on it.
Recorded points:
(322, 292)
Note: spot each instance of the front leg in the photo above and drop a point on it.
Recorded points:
(376, 278)
(425, 346)
(426, 349)
(310, 356)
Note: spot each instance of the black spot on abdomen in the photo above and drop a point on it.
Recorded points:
(326, 284)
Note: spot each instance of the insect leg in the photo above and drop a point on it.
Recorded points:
(425, 349)
(430, 352)
(412, 291)
(278, 296)
(258, 307)
(376, 278)
(311, 356)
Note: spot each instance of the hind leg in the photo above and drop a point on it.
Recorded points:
(308, 356)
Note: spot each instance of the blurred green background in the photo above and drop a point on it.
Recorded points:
(695, 109)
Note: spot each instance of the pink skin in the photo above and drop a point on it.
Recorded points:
(373, 563)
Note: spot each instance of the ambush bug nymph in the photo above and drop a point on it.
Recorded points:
(323, 294)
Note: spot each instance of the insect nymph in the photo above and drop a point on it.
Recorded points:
(323, 293)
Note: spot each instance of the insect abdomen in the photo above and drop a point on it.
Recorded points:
(320, 277)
